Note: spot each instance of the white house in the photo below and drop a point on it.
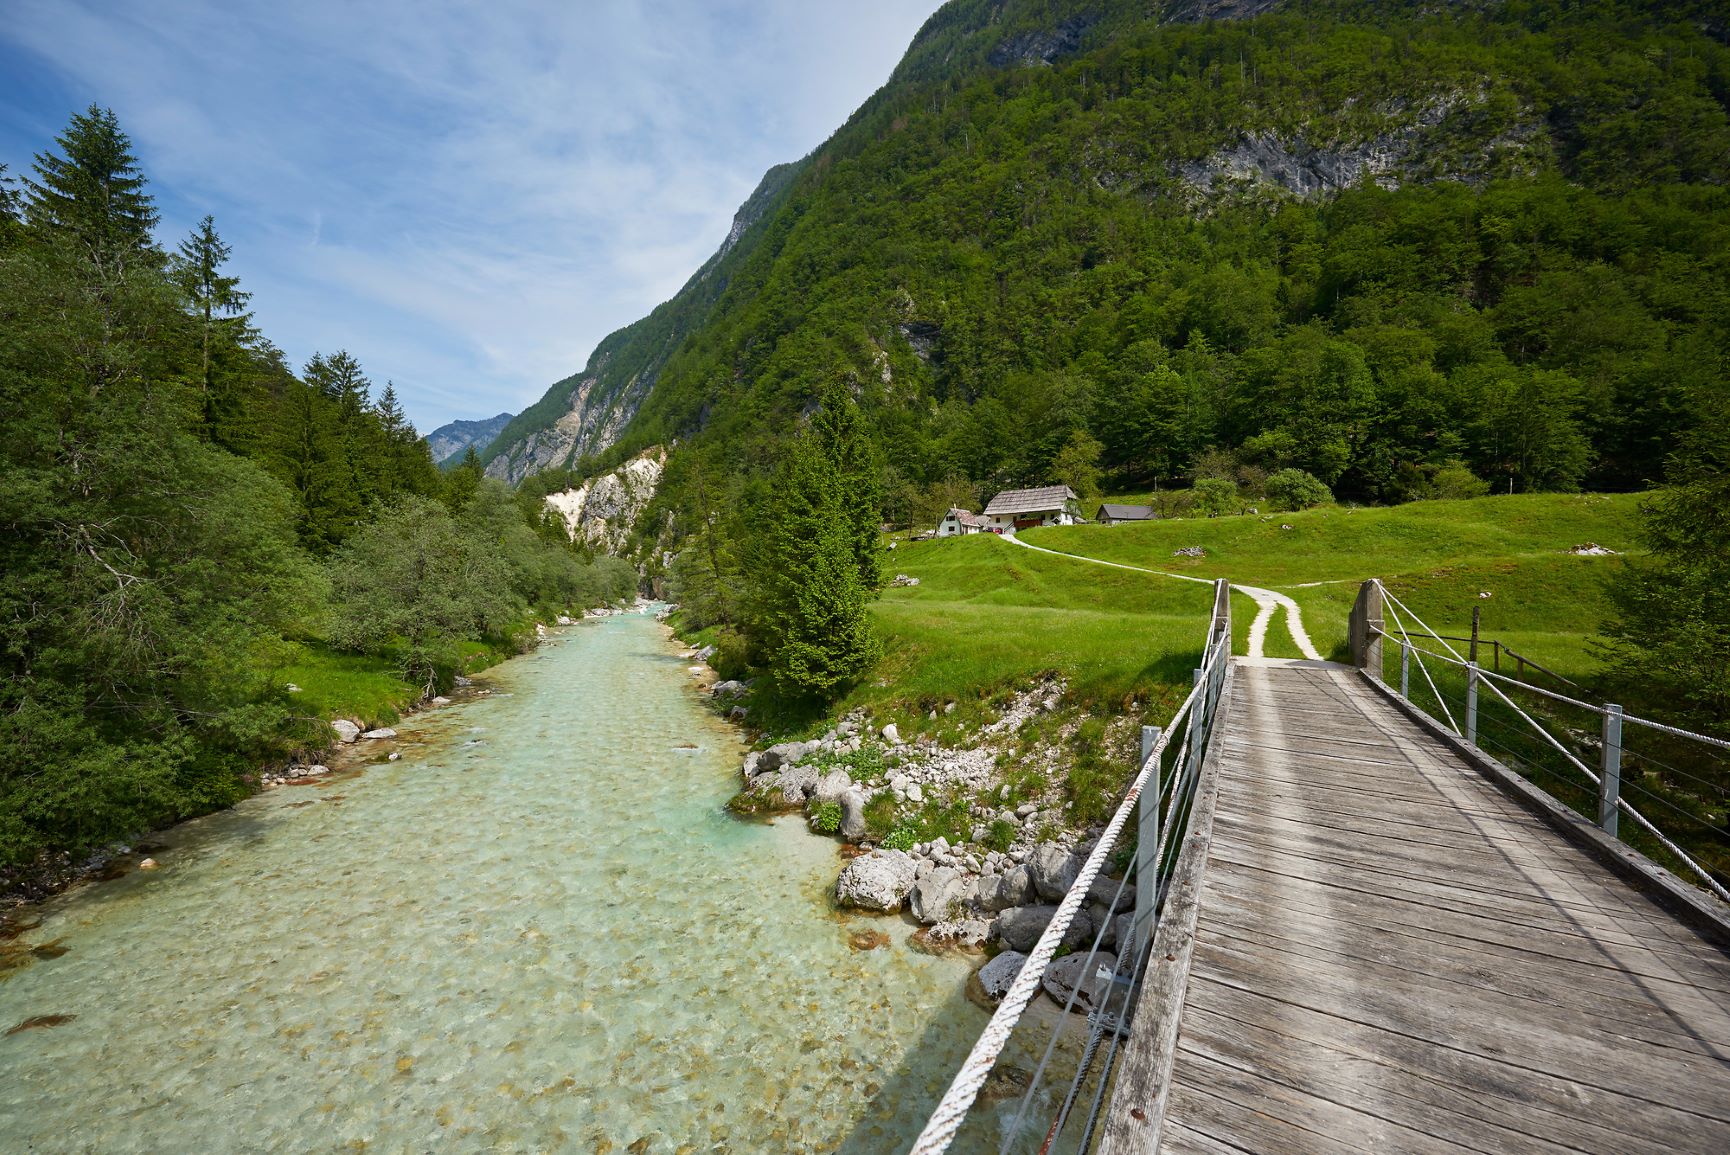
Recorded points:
(1015, 509)
(1110, 514)
(958, 522)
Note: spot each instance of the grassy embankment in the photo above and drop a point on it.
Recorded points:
(370, 688)
(1436, 556)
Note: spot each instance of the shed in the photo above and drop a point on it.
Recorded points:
(1110, 514)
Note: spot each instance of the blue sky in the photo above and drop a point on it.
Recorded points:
(466, 196)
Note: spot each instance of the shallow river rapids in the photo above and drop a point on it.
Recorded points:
(538, 931)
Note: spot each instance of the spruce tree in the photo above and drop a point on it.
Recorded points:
(810, 601)
(390, 415)
(340, 379)
(93, 196)
(216, 300)
(9, 203)
(853, 463)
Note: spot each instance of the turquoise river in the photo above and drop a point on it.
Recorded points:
(538, 931)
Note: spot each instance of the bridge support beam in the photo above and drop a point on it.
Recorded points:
(1366, 627)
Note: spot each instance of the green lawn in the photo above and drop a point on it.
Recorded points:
(334, 684)
(1436, 556)
(987, 614)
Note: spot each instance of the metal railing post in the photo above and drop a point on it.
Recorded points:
(1610, 781)
(1472, 702)
(1405, 670)
(1147, 847)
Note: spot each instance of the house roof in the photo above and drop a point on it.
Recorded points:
(964, 517)
(1125, 512)
(1040, 500)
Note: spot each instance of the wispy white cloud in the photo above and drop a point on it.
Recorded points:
(467, 197)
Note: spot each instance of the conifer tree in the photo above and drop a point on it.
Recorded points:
(858, 478)
(810, 600)
(216, 300)
(462, 482)
(93, 196)
(340, 379)
(9, 204)
(391, 416)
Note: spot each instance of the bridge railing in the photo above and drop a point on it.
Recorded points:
(1059, 1107)
(1671, 785)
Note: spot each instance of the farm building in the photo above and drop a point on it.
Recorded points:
(959, 521)
(1110, 514)
(1025, 508)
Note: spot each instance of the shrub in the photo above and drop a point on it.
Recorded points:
(1454, 480)
(1295, 489)
(901, 838)
(732, 656)
(827, 818)
(1215, 496)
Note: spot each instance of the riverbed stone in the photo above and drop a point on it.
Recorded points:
(879, 880)
(1063, 977)
(830, 787)
(940, 895)
(346, 731)
(1020, 927)
(1014, 887)
(1103, 890)
(1054, 871)
(381, 732)
(853, 815)
(996, 976)
(797, 782)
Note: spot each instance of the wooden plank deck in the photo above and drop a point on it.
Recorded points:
(1390, 954)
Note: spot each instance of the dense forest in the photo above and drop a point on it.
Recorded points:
(181, 514)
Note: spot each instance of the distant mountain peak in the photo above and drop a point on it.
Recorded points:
(449, 441)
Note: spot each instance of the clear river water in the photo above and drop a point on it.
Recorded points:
(538, 931)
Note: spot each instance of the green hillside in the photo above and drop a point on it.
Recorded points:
(1365, 241)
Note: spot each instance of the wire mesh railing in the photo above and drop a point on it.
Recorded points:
(1663, 790)
(1092, 977)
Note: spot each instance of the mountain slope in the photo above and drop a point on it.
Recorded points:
(449, 441)
(583, 414)
(1383, 243)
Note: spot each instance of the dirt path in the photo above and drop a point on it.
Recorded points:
(1267, 602)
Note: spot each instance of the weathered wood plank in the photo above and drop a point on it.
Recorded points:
(1680, 1008)
(1504, 1094)
(1532, 911)
(1565, 894)
(1391, 954)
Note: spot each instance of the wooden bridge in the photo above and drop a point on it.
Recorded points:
(1376, 938)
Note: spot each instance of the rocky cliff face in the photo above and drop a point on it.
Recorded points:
(595, 411)
(448, 441)
(585, 413)
(602, 512)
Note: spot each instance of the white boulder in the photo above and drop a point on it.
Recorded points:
(876, 881)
